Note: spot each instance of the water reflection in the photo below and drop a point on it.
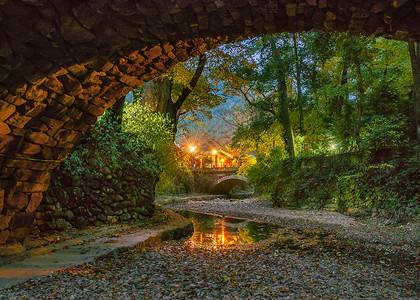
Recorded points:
(214, 231)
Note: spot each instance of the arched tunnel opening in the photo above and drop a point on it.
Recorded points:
(226, 184)
(62, 63)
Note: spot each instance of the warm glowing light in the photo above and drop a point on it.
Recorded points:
(223, 232)
(333, 146)
(214, 152)
(222, 159)
(192, 148)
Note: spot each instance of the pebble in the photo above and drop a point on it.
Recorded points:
(175, 270)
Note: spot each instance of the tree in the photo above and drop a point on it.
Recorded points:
(414, 49)
(115, 113)
(259, 75)
(359, 79)
(184, 91)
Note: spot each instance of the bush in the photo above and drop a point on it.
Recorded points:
(384, 133)
(140, 144)
(342, 181)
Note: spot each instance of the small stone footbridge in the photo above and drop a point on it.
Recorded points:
(220, 180)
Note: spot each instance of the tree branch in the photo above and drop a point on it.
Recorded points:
(188, 89)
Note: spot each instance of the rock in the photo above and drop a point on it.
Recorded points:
(133, 202)
(18, 234)
(4, 235)
(81, 222)
(141, 210)
(99, 223)
(126, 216)
(126, 204)
(108, 211)
(112, 219)
(82, 211)
(4, 221)
(1, 200)
(34, 202)
(62, 225)
(95, 210)
(107, 200)
(108, 197)
(102, 218)
(69, 215)
(48, 199)
(17, 201)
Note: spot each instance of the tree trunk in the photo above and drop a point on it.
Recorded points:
(157, 94)
(299, 84)
(115, 112)
(414, 49)
(360, 106)
(283, 101)
(342, 99)
(344, 109)
(287, 127)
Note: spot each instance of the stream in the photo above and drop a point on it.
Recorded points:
(214, 231)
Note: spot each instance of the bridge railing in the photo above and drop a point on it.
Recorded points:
(216, 170)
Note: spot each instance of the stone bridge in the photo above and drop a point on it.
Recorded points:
(225, 184)
(62, 63)
(217, 180)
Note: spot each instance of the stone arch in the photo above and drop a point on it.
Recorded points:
(62, 63)
(225, 184)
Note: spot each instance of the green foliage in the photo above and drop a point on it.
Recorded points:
(247, 162)
(176, 177)
(345, 181)
(355, 96)
(385, 132)
(147, 129)
(107, 149)
(153, 131)
(390, 189)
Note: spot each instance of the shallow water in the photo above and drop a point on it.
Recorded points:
(210, 230)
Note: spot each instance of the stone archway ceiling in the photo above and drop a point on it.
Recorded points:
(63, 62)
(225, 184)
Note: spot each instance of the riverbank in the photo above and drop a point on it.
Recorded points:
(173, 270)
(396, 246)
(309, 257)
(76, 247)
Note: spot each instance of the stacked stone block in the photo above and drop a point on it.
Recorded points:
(123, 196)
(63, 62)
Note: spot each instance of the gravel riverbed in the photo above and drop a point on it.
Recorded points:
(175, 271)
(270, 270)
(405, 237)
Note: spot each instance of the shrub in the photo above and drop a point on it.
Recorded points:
(140, 144)
(342, 181)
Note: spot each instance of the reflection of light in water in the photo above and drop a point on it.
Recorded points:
(222, 236)
(215, 232)
(219, 236)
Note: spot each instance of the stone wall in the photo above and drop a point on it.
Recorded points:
(127, 195)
